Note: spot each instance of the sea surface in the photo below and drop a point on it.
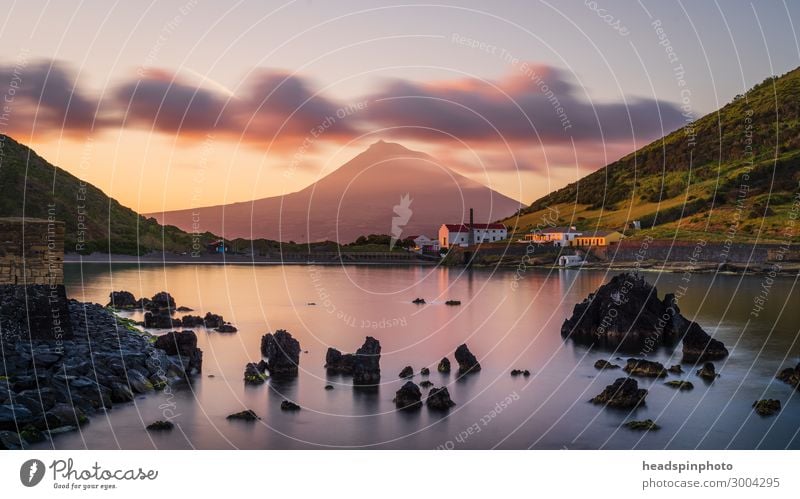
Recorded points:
(509, 319)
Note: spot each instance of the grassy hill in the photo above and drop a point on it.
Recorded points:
(94, 222)
(737, 179)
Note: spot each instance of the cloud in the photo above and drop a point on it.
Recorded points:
(531, 104)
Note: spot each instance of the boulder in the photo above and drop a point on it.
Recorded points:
(623, 393)
(604, 364)
(161, 319)
(329, 387)
(161, 301)
(184, 309)
(287, 405)
(336, 363)
(439, 399)
(121, 300)
(34, 312)
(680, 385)
(520, 372)
(160, 426)
(10, 440)
(767, 407)
(407, 372)
(467, 362)
(646, 425)
(282, 353)
(65, 415)
(708, 372)
(425, 384)
(253, 374)
(212, 321)
(790, 375)
(184, 345)
(246, 415)
(444, 365)
(453, 303)
(226, 328)
(424, 371)
(192, 321)
(676, 369)
(419, 301)
(645, 368)
(366, 366)
(14, 416)
(698, 346)
(408, 397)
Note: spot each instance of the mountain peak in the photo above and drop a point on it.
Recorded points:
(390, 147)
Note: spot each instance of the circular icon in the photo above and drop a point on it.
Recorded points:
(31, 472)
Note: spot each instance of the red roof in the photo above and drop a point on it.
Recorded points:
(464, 228)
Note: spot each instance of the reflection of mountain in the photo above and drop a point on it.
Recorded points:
(358, 198)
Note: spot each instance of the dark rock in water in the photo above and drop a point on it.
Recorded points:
(121, 300)
(13, 416)
(192, 321)
(627, 312)
(453, 302)
(408, 397)
(791, 376)
(160, 426)
(419, 301)
(604, 364)
(246, 415)
(439, 399)
(698, 346)
(226, 328)
(184, 309)
(424, 371)
(161, 319)
(520, 372)
(282, 353)
(645, 368)
(467, 363)
(10, 440)
(329, 387)
(676, 369)
(407, 372)
(526, 373)
(767, 407)
(366, 368)
(336, 363)
(161, 301)
(680, 385)
(254, 374)
(287, 405)
(65, 415)
(425, 384)
(444, 366)
(184, 345)
(212, 321)
(623, 393)
(646, 425)
(34, 311)
(708, 372)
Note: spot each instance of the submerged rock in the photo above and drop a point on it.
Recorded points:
(623, 393)
(246, 415)
(680, 385)
(645, 368)
(226, 328)
(282, 353)
(767, 407)
(254, 374)
(444, 365)
(419, 301)
(439, 399)
(790, 375)
(366, 368)
(329, 387)
(160, 426)
(604, 364)
(467, 362)
(407, 372)
(288, 405)
(408, 397)
(676, 369)
(646, 425)
(453, 302)
(708, 372)
(520, 372)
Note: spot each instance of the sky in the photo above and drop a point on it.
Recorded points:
(178, 104)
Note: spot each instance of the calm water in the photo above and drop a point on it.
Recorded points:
(505, 327)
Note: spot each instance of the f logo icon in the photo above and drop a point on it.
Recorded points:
(31, 472)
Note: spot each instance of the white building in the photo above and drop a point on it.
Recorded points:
(458, 234)
(570, 260)
(559, 236)
(424, 243)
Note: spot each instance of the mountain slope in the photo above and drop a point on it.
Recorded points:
(361, 197)
(94, 222)
(687, 190)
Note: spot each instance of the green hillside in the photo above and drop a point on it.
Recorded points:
(690, 190)
(94, 222)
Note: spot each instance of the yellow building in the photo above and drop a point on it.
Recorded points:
(598, 238)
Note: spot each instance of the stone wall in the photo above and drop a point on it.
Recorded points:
(668, 251)
(31, 251)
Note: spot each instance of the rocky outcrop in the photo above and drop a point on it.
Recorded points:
(418, 301)
(282, 353)
(520, 372)
(212, 321)
(407, 372)
(160, 301)
(184, 345)
(191, 321)
(254, 373)
(288, 405)
(424, 371)
(698, 346)
(627, 312)
(444, 366)
(246, 415)
(791, 376)
(439, 399)
(453, 303)
(467, 362)
(39, 312)
(408, 397)
(680, 385)
(226, 328)
(623, 393)
(604, 364)
(676, 369)
(160, 426)
(337, 363)
(425, 384)
(645, 368)
(366, 368)
(121, 300)
(161, 319)
(767, 407)
(645, 425)
(708, 372)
